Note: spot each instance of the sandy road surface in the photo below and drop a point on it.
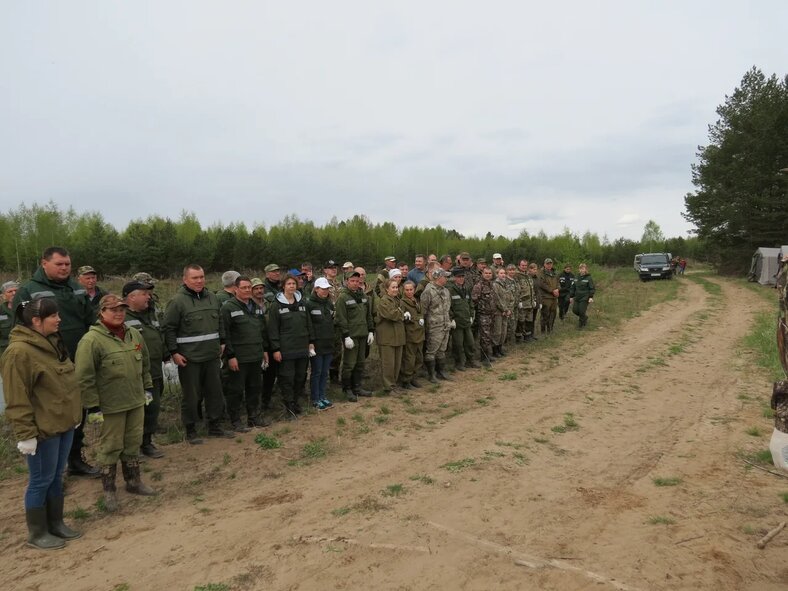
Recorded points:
(491, 496)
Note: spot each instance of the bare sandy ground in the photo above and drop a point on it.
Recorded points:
(470, 486)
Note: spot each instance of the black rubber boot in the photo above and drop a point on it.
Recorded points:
(501, 351)
(440, 372)
(459, 365)
(472, 364)
(191, 435)
(38, 530)
(215, 429)
(77, 466)
(148, 449)
(55, 520)
(134, 484)
(108, 474)
(430, 366)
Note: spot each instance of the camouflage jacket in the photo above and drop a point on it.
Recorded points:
(435, 305)
(484, 298)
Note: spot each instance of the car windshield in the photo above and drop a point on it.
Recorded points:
(653, 259)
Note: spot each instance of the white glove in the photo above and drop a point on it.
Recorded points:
(453, 324)
(28, 446)
(171, 372)
(590, 300)
(406, 316)
(520, 305)
(264, 365)
(148, 397)
(312, 352)
(421, 321)
(349, 344)
(370, 339)
(540, 306)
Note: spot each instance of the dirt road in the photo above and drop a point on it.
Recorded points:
(539, 474)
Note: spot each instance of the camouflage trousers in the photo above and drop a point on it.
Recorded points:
(500, 330)
(549, 309)
(436, 342)
(524, 316)
(486, 333)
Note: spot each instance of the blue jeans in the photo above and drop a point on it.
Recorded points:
(319, 378)
(46, 469)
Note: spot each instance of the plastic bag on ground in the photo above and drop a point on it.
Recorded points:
(779, 448)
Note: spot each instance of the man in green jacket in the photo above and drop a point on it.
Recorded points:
(354, 322)
(227, 292)
(87, 278)
(194, 337)
(461, 311)
(581, 293)
(246, 341)
(141, 316)
(549, 287)
(53, 280)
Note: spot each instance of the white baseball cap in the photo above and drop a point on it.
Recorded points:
(322, 282)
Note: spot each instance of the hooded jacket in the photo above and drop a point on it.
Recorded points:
(40, 385)
(76, 313)
(290, 327)
(246, 331)
(150, 329)
(113, 373)
(192, 325)
(390, 322)
(321, 313)
(414, 332)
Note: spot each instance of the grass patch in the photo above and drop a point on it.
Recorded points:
(385, 410)
(282, 431)
(341, 422)
(459, 465)
(761, 341)
(424, 479)
(509, 444)
(784, 497)
(482, 401)
(341, 511)
(267, 441)
(357, 417)
(101, 504)
(762, 456)
(317, 448)
(669, 481)
(79, 513)
(540, 440)
(661, 520)
(212, 587)
(754, 431)
(393, 490)
(380, 419)
(508, 376)
(519, 458)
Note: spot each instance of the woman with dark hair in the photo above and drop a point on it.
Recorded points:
(113, 368)
(43, 407)
(390, 331)
(292, 341)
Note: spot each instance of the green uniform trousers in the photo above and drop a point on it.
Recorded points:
(390, 364)
(500, 329)
(246, 383)
(549, 310)
(579, 308)
(121, 436)
(292, 379)
(463, 347)
(353, 361)
(201, 381)
(412, 361)
(152, 410)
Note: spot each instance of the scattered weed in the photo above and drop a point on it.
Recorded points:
(540, 440)
(380, 419)
(754, 431)
(661, 520)
(508, 376)
(341, 511)
(493, 454)
(282, 431)
(385, 410)
(314, 449)
(669, 481)
(482, 401)
(267, 441)
(784, 497)
(424, 479)
(393, 490)
(341, 421)
(121, 587)
(79, 513)
(101, 504)
(226, 459)
(509, 444)
(212, 587)
(459, 465)
(358, 418)
(519, 459)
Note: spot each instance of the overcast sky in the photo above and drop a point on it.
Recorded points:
(479, 116)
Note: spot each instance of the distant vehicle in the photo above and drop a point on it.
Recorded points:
(637, 262)
(654, 265)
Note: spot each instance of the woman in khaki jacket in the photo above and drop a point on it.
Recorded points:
(113, 368)
(412, 353)
(43, 407)
(390, 331)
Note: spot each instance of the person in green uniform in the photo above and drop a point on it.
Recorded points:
(7, 291)
(525, 305)
(321, 311)
(390, 331)
(113, 369)
(505, 302)
(413, 353)
(141, 316)
(292, 341)
(227, 292)
(194, 337)
(353, 320)
(581, 294)
(53, 279)
(87, 278)
(44, 405)
(549, 287)
(565, 281)
(463, 346)
(245, 344)
(513, 287)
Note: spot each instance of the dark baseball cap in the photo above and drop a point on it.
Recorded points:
(134, 286)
